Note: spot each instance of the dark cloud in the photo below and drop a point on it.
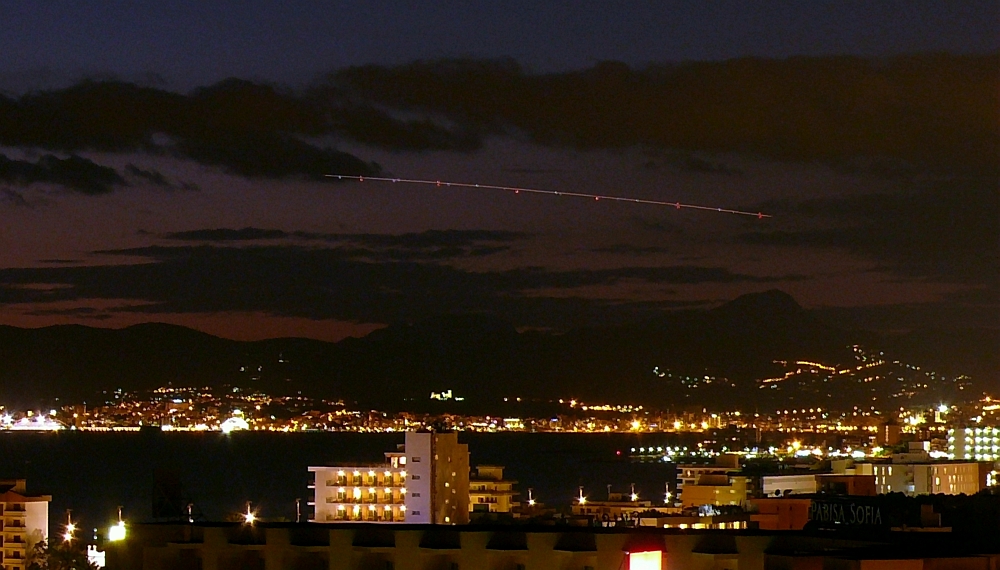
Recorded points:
(14, 197)
(149, 175)
(424, 246)
(73, 172)
(273, 156)
(79, 312)
(931, 110)
(935, 111)
(225, 234)
(947, 230)
(248, 129)
(368, 125)
(631, 249)
(335, 283)
(429, 238)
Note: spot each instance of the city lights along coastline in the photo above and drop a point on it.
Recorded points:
(518, 190)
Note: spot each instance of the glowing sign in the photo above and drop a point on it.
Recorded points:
(645, 560)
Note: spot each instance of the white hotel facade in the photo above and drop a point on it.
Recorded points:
(425, 481)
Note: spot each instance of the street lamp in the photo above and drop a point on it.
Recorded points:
(249, 517)
(117, 532)
(70, 527)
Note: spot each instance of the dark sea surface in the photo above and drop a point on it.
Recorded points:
(93, 473)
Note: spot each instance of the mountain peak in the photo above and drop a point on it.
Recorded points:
(770, 301)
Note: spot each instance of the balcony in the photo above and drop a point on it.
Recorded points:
(364, 501)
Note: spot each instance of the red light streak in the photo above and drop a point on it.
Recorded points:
(518, 190)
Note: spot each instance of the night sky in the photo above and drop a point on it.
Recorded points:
(138, 182)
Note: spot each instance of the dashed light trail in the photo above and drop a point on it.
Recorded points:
(518, 190)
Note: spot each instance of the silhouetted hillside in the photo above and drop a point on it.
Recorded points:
(687, 358)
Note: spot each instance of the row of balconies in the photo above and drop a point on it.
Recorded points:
(366, 482)
(363, 516)
(364, 501)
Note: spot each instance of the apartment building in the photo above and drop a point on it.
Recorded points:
(24, 522)
(425, 481)
(489, 492)
(979, 443)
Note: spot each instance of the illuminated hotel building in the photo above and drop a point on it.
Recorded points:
(489, 492)
(946, 477)
(25, 521)
(981, 443)
(425, 481)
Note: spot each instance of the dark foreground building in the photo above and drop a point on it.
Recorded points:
(358, 546)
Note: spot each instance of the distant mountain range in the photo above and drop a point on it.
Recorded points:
(716, 357)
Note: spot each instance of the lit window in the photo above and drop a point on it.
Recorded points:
(645, 560)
